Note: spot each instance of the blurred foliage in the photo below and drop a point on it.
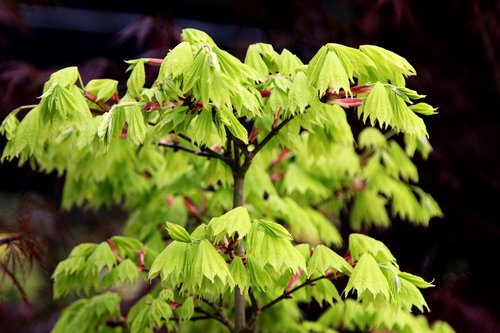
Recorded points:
(451, 44)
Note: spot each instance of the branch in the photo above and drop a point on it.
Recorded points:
(218, 315)
(205, 151)
(15, 282)
(88, 95)
(10, 239)
(154, 61)
(256, 312)
(184, 148)
(255, 305)
(286, 295)
(271, 135)
(113, 249)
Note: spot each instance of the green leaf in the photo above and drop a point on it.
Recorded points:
(410, 296)
(274, 229)
(298, 181)
(323, 291)
(111, 124)
(360, 244)
(245, 102)
(404, 202)
(402, 164)
(136, 130)
(186, 310)
(300, 94)
(209, 263)
(326, 71)
(160, 311)
(176, 62)
(268, 55)
(412, 94)
(196, 77)
(371, 137)
(195, 36)
(429, 208)
(355, 62)
(324, 261)
(83, 250)
(235, 127)
(235, 221)
(389, 64)
(170, 263)
(288, 62)
(259, 277)
(442, 327)
(269, 244)
(102, 89)
(103, 256)
(138, 317)
(9, 126)
(89, 315)
(415, 280)
(423, 108)
(135, 82)
(327, 232)
(254, 59)
(127, 247)
(64, 78)
(369, 208)
(239, 274)
(367, 279)
(127, 271)
(178, 233)
(414, 143)
(202, 126)
(234, 68)
(404, 119)
(377, 106)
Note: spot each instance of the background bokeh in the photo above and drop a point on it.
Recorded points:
(454, 46)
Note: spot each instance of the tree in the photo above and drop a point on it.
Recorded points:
(237, 177)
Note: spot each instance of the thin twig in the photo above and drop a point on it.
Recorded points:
(255, 305)
(271, 135)
(10, 239)
(205, 150)
(256, 312)
(14, 280)
(286, 295)
(220, 317)
(88, 95)
(113, 249)
(184, 148)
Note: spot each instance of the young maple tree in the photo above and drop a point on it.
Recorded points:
(237, 176)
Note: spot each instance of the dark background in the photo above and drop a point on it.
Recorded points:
(454, 46)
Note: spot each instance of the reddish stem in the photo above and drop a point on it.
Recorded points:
(113, 249)
(155, 61)
(141, 261)
(93, 98)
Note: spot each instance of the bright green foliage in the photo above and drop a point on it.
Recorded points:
(95, 267)
(324, 261)
(353, 316)
(235, 221)
(102, 89)
(255, 166)
(90, 315)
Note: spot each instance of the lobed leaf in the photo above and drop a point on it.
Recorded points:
(234, 221)
(102, 89)
(178, 233)
(325, 261)
(367, 279)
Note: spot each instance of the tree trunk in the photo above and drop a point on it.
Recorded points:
(239, 299)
